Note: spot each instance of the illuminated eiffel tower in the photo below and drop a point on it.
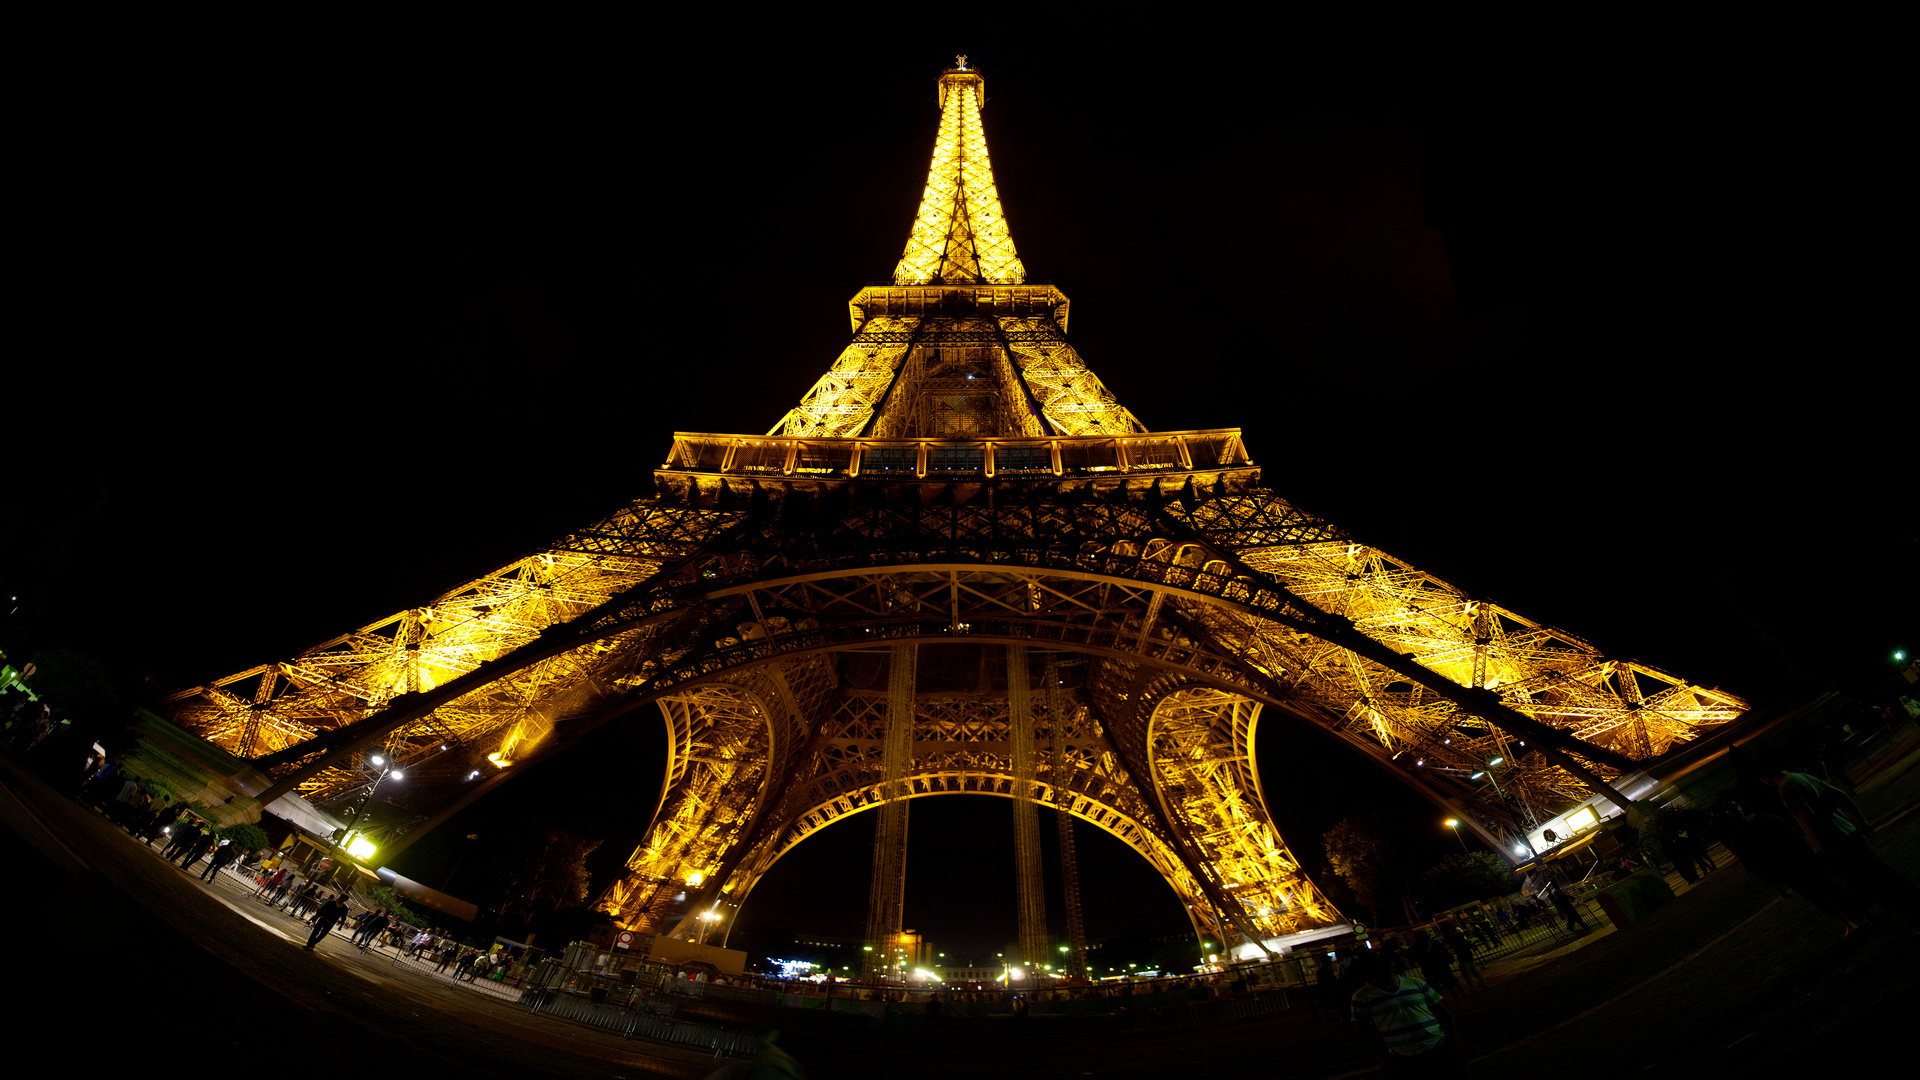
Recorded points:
(960, 566)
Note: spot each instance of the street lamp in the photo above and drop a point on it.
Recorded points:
(1454, 824)
(360, 847)
(708, 918)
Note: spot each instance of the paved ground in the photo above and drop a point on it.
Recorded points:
(1728, 975)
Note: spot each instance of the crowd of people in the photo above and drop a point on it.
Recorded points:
(149, 812)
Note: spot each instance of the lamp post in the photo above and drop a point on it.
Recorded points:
(387, 769)
(447, 886)
(1454, 824)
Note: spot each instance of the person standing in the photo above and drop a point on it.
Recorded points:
(199, 847)
(1435, 965)
(1403, 1024)
(183, 834)
(370, 922)
(1326, 990)
(1776, 853)
(1838, 832)
(159, 820)
(323, 920)
(1463, 952)
(224, 855)
(1564, 905)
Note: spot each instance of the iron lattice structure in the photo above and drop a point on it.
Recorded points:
(1094, 617)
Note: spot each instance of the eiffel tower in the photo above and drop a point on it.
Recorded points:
(959, 565)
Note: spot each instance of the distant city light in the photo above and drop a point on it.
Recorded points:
(793, 969)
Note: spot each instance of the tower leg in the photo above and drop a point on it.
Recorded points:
(1026, 815)
(1057, 719)
(887, 900)
(1070, 884)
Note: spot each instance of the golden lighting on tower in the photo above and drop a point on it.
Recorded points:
(960, 482)
(960, 234)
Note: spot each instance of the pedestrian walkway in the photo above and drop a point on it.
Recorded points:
(1729, 972)
(239, 892)
(1888, 780)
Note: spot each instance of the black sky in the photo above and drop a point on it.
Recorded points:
(1593, 338)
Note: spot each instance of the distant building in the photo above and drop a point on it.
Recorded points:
(969, 974)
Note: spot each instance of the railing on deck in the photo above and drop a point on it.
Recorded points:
(1035, 457)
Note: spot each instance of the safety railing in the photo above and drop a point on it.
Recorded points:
(1031, 457)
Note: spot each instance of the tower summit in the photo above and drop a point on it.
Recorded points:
(958, 566)
(958, 346)
(960, 235)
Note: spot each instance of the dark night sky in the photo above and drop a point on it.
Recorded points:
(1594, 339)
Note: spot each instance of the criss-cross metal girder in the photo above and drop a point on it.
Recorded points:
(1196, 618)
(959, 481)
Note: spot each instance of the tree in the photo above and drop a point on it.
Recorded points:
(1460, 879)
(249, 836)
(75, 686)
(1357, 849)
(391, 903)
(544, 869)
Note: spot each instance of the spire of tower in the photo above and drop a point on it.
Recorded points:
(960, 235)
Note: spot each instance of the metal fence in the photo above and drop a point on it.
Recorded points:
(639, 1012)
(629, 998)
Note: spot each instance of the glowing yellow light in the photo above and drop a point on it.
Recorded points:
(960, 234)
(361, 848)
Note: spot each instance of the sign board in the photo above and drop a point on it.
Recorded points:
(623, 940)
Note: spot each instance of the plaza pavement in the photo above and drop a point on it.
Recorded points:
(1728, 975)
